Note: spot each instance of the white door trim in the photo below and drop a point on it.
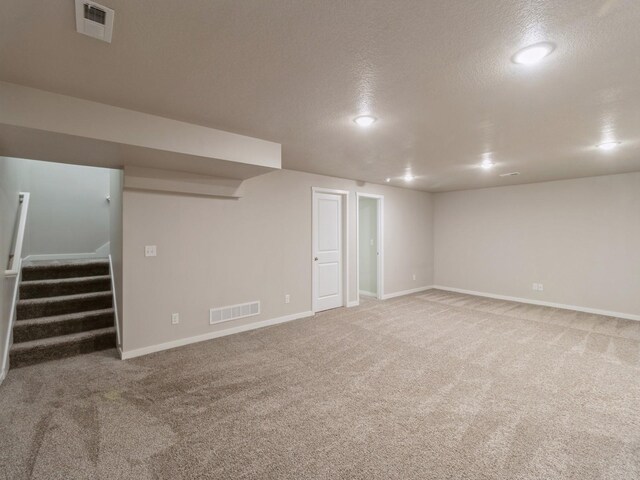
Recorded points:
(380, 243)
(345, 242)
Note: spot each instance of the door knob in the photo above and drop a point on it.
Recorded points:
(315, 259)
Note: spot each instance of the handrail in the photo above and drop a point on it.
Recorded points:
(15, 270)
(115, 304)
(16, 256)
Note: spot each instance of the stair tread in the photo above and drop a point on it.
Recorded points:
(63, 298)
(50, 270)
(63, 318)
(62, 339)
(67, 263)
(56, 281)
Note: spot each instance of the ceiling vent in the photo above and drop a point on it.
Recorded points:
(94, 20)
(224, 314)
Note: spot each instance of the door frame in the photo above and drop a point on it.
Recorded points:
(344, 240)
(380, 242)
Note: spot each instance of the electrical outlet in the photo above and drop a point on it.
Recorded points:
(150, 251)
(287, 298)
(540, 287)
(414, 276)
(175, 318)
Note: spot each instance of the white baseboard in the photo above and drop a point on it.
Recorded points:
(387, 296)
(211, 335)
(353, 303)
(368, 294)
(608, 313)
(101, 252)
(3, 375)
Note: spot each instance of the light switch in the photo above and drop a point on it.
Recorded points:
(150, 251)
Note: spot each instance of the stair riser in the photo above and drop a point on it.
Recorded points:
(26, 333)
(44, 354)
(64, 271)
(49, 309)
(59, 289)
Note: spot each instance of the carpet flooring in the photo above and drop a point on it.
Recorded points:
(434, 385)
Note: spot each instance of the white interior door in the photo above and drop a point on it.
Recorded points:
(327, 251)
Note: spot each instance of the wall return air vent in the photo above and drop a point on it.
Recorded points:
(233, 312)
(94, 20)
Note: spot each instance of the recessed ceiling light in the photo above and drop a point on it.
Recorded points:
(408, 177)
(365, 120)
(487, 164)
(608, 145)
(533, 53)
(387, 179)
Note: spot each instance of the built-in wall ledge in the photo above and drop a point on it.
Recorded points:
(46, 126)
(180, 182)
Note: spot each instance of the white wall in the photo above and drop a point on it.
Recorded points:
(368, 245)
(216, 251)
(68, 211)
(579, 238)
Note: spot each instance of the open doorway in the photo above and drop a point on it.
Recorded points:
(370, 228)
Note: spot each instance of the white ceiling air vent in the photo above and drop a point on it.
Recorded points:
(94, 20)
(233, 312)
(510, 174)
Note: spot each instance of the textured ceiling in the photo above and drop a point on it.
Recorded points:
(437, 74)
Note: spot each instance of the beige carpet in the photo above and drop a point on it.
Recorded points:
(430, 386)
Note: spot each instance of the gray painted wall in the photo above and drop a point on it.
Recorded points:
(579, 238)
(214, 252)
(68, 211)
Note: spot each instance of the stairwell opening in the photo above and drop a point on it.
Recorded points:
(68, 284)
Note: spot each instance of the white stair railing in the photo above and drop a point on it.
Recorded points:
(13, 273)
(16, 255)
(115, 306)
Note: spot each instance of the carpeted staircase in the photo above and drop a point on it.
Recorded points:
(65, 309)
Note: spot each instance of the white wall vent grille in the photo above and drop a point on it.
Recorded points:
(233, 312)
(94, 20)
